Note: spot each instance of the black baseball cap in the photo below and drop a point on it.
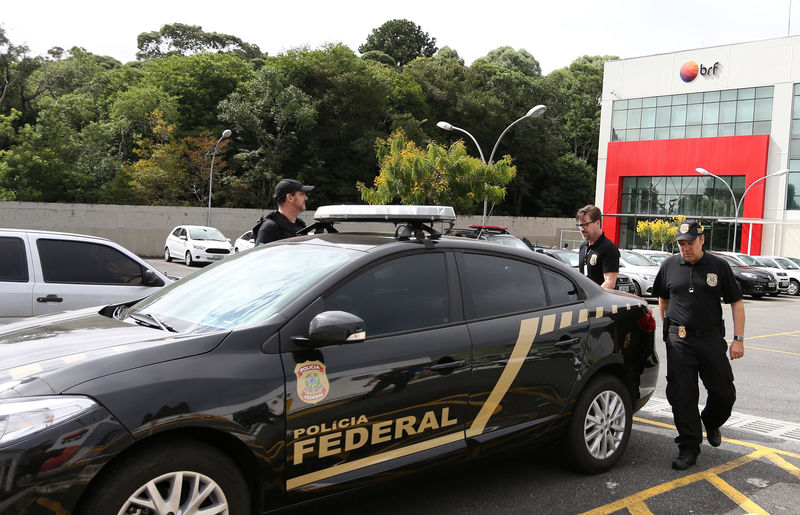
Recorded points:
(287, 186)
(689, 230)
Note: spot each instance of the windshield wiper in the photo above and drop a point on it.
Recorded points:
(151, 321)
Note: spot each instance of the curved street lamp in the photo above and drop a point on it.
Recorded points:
(533, 112)
(736, 205)
(225, 134)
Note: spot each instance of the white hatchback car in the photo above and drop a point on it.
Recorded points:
(45, 271)
(641, 269)
(244, 242)
(196, 244)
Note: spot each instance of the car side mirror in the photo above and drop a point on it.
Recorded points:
(183, 237)
(151, 279)
(331, 327)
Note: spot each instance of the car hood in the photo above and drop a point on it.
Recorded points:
(753, 270)
(50, 354)
(640, 269)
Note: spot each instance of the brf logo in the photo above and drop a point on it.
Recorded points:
(690, 69)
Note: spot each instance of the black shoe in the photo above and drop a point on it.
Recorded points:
(714, 437)
(685, 460)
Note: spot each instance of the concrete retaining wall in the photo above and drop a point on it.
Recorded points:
(143, 229)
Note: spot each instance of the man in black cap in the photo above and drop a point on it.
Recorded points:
(688, 287)
(283, 223)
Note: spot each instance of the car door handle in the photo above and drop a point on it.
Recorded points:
(565, 344)
(49, 298)
(448, 366)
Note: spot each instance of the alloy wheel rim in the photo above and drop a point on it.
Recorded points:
(604, 425)
(181, 492)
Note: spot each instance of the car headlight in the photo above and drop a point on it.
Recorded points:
(199, 247)
(23, 417)
(750, 275)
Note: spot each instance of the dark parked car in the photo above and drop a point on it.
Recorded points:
(570, 258)
(752, 281)
(316, 364)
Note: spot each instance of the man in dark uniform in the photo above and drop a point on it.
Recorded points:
(599, 257)
(291, 198)
(688, 287)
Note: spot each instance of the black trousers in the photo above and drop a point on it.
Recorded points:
(687, 359)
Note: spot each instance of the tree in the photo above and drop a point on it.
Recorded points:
(181, 39)
(515, 60)
(436, 175)
(659, 233)
(402, 39)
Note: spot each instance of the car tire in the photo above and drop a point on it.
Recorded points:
(794, 288)
(235, 250)
(148, 477)
(167, 256)
(600, 427)
(188, 259)
(637, 290)
(756, 295)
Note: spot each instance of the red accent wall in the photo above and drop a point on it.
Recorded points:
(730, 155)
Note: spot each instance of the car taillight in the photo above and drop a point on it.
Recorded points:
(647, 323)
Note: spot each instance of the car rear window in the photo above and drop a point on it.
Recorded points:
(13, 263)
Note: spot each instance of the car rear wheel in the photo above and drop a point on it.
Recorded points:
(167, 256)
(600, 427)
(188, 259)
(637, 290)
(794, 288)
(170, 479)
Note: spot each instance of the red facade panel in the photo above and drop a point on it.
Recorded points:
(731, 155)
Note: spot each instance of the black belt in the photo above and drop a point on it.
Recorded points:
(684, 331)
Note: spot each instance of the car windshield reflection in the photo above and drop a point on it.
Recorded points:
(244, 290)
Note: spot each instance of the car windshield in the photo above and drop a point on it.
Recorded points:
(636, 259)
(508, 240)
(243, 290)
(748, 260)
(657, 258)
(787, 264)
(568, 256)
(206, 233)
(766, 262)
(731, 261)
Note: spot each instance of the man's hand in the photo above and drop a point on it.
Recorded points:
(737, 349)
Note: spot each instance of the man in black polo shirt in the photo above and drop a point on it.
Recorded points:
(599, 257)
(688, 288)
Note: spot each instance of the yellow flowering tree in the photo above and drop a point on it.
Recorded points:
(435, 175)
(659, 233)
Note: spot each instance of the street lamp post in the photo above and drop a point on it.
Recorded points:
(225, 134)
(736, 205)
(533, 112)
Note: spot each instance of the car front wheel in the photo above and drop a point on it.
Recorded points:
(600, 427)
(637, 290)
(188, 259)
(170, 479)
(167, 256)
(794, 288)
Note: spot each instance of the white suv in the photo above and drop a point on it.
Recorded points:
(45, 272)
(196, 244)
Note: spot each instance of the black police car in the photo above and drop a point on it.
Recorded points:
(752, 281)
(315, 364)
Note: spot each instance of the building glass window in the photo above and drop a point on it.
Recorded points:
(735, 112)
(793, 182)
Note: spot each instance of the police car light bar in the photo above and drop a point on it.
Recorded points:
(384, 213)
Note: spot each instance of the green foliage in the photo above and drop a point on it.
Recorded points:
(514, 60)
(659, 233)
(401, 39)
(182, 39)
(379, 57)
(436, 175)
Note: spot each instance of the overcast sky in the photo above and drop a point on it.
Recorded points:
(555, 31)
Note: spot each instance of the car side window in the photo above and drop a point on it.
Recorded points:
(560, 289)
(13, 263)
(65, 261)
(500, 285)
(177, 232)
(403, 294)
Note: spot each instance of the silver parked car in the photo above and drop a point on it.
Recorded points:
(789, 267)
(45, 272)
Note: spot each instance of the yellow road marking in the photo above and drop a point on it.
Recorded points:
(773, 350)
(771, 335)
(636, 503)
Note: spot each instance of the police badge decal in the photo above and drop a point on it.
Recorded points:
(712, 279)
(312, 382)
(593, 260)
